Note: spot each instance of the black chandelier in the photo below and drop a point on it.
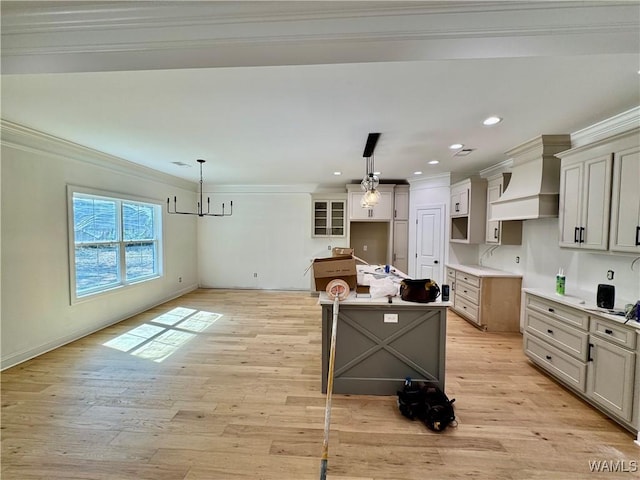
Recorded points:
(200, 205)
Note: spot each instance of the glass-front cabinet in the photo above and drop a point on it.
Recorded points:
(329, 217)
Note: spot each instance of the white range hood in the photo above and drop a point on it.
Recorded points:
(533, 191)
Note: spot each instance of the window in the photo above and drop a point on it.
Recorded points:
(116, 242)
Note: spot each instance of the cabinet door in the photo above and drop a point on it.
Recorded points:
(610, 377)
(494, 190)
(337, 218)
(401, 205)
(460, 202)
(625, 222)
(401, 245)
(596, 199)
(382, 211)
(320, 218)
(570, 203)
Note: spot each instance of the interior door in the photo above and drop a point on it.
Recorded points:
(429, 243)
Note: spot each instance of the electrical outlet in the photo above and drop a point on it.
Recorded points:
(609, 274)
(255, 275)
(179, 279)
(328, 247)
(364, 248)
(517, 259)
(390, 318)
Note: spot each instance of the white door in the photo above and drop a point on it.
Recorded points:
(429, 244)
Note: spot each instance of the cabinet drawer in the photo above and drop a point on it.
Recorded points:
(558, 311)
(566, 338)
(617, 334)
(469, 292)
(565, 367)
(468, 309)
(451, 272)
(470, 279)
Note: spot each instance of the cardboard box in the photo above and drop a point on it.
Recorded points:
(327, 269)
(339, 251)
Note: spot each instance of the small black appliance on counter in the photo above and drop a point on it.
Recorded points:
(606, 296)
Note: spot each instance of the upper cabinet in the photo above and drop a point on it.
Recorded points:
(329, 216)
(599, 195)
(500, 232)
(585, 193)
(468, 211)
(383, 211)
(401, 202)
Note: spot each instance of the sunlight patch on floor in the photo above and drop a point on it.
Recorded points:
(164, 335)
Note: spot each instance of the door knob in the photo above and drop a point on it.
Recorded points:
(435, 262)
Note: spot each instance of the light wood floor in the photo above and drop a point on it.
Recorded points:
(241, 400)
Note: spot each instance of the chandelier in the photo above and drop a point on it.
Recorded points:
(199, 209)
(370, 181)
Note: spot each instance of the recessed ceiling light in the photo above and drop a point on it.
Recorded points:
(456, 146)
(337, 173)
(491, 120)
(433, 162)
(376, 173)
(417, 173)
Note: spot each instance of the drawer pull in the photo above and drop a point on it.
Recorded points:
(551, 310)
(549, 331)
(608, 332)
(548, 357)
(589, 359)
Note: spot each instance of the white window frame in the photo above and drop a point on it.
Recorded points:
(122, 282)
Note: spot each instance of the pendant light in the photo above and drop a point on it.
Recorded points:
(370, 181)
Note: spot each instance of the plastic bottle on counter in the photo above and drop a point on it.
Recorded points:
(560, 282)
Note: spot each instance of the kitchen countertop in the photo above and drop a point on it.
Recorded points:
(481, 271)
(580, 302)
(380, 302)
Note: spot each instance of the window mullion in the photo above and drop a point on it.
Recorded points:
(122, 271)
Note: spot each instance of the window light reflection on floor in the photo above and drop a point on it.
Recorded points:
(160, 337)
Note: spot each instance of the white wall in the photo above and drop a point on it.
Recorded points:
(36, 312)
(541, 257)
(269, 234)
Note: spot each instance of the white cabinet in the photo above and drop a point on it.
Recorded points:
(468, 211)
(328, 217)
(400, 256)
(625, 211)
(401, 203)
(599, 195)
(594, 356)
(460, 199)
(585, 192)
(383, 211)
(500, 232)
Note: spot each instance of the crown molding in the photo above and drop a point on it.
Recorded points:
(107, 36)
(29, 140)
(434, 181)
(261, 189)
(497, 169)
(609, 127)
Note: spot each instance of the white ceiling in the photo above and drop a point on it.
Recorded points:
(286, 92)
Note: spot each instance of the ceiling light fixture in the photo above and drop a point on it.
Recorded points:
(493, 120)
(199, 209)
(370, 181)
(433, 162)
(337, 173)
(456, 146)
(417, 173)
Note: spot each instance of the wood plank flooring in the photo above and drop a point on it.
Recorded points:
(235, 394)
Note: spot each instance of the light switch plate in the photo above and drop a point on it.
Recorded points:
(390, 318)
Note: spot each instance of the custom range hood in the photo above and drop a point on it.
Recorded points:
(533, 191)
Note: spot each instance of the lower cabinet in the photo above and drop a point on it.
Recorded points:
(489, 299)
(594, 356)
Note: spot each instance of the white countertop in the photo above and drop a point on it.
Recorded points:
(481, 271)
(396, 301)
(581, 303)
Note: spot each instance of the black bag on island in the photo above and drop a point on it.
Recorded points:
(426, 402)
(421, 291)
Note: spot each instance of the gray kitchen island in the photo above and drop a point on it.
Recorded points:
(379, 344)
